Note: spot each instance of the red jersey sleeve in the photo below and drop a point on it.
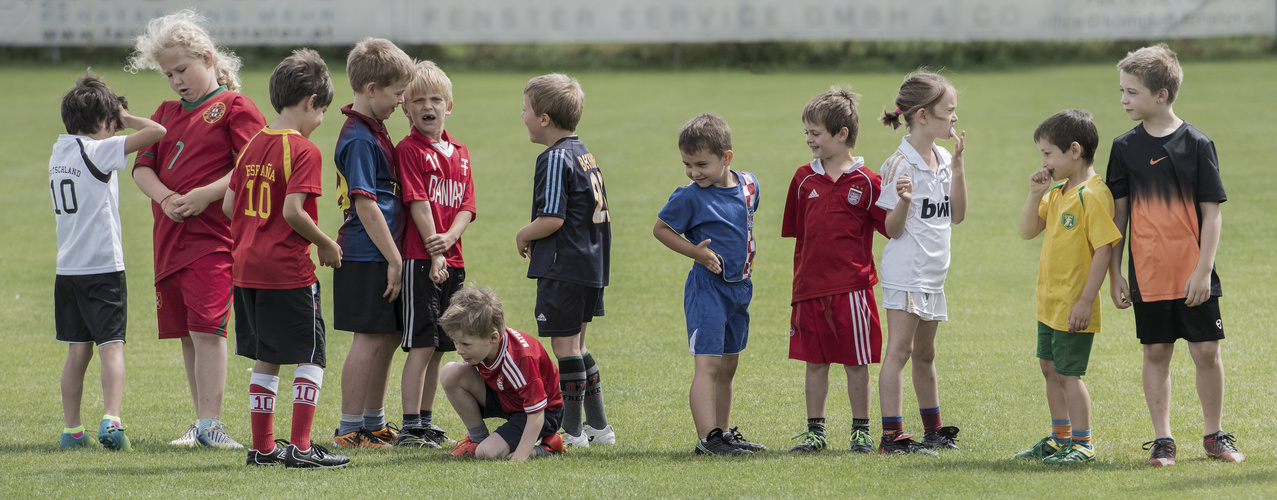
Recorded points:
(245, 122)
(532, 394)
(146, 157)
(413, 164)
(876, 213)
(307, 168)
(790, 223)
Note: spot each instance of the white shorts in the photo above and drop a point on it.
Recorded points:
(928, 306)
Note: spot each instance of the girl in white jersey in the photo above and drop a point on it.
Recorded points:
(924, 190)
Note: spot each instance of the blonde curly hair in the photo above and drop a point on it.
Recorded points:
(183, 29)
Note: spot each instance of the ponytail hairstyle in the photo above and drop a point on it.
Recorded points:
(183, 29)
(835, 110)
(921, 90)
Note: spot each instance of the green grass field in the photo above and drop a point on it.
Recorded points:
(990, 383)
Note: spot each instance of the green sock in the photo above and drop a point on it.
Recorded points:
(77, 430)
(112, 418)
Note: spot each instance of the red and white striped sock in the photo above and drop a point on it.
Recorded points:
(261, 407)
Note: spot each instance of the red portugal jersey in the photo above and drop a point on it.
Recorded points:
(524, 376)
(267, 252)
(438, 172)
(834, 224)
(199, 148)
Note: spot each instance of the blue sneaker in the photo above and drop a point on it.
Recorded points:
(214, 436)
(111, 435)
(69, 441)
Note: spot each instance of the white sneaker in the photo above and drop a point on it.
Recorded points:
(582, 441)
(600, 436)
(215, 437)
(188, 439)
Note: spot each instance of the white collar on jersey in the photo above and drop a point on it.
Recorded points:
(819, 167)
(444, 147)
(915, 158)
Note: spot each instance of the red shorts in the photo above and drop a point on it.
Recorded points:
(196, 298)
(841, 329)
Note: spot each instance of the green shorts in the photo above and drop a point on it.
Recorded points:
(1071, 352)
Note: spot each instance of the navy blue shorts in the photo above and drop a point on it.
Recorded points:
(717, 314)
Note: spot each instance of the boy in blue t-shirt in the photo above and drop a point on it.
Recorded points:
(717, 210)
(367, 284)
(568, 245)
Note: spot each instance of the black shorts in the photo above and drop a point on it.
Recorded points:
(91, 308)
(357, 302)
(283, 327)
(512, 430)
(562, 307)
(423, 301)
(1165, 321)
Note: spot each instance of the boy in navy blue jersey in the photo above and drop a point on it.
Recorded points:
(568, 244)
(717, 210)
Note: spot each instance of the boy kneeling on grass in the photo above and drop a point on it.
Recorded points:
(507, 374)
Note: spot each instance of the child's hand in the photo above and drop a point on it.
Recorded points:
(438, 268)
(1120, 292)
(1039, 182)
(190, 204)
(959, 146)
(904, 188)
(169, 210)
(394, 280)
(330, 255)
(1079, 317)
(708, 258)
(524, 246)
(440, 243)
(1197, 290)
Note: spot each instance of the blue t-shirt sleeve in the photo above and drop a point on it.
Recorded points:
(678, 212)
(551, 184)
(360, 167)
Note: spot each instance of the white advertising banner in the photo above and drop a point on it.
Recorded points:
(314, 22)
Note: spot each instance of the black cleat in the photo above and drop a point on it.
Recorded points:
(317, 457)
(716, 444)
(275, 456)
(902, 445)
(735, 438)
(941, 439)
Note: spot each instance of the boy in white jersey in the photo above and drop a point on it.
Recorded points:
(89, 293)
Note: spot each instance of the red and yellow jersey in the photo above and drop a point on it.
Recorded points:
(438, 173)
(1165, 178)
(200, 147)
(267, 252)
(1079, 219)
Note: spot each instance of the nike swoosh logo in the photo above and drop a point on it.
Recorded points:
(1154, 162)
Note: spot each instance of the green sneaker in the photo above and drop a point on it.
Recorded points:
(861, 441)
(812, 441)
(111, 435)
(69, 441)
(1046, 447)
(1076, 454)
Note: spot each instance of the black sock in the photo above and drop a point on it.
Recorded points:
(426, 417)
(816, 425)
(411, 420)
(860, 423)
(572, 385)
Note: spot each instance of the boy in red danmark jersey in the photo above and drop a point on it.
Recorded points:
(183, 174)
(830, 211)
(438, 191)
(273, 209)
(507, 374)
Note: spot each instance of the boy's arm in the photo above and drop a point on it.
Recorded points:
(896, 217)
(299, 220)
(442, 242)
(375, 225)
(151, 185)
(958, 188)
(698, 252)
(1032, 224)
(1119, 291)
(147, 132)
(529, 437)
(539, 228)
(425, 221)
(1080, 316)
(1197, 290)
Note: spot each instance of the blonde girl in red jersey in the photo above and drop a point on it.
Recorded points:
(183, 174)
